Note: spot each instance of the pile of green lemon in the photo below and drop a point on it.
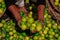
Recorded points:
(50, 31)
(57, 3)
(2, 6)
(28, 22)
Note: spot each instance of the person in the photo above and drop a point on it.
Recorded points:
(41, 6)
(14, 6)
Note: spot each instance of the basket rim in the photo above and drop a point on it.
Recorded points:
(52, 11)
(54, 6)
(2, 13)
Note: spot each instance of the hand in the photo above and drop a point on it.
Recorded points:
(34, 31)
(19, 23)
(42, 21)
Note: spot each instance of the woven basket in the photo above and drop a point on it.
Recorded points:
(52, 9)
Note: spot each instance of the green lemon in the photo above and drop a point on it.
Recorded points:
(21, 37)
(3, 5)
(1, 25)
(7, 30)
(30, 13)
(47, 35)
(52, 33)
(1, 11)
(35, 38)
(42, 35)
(59, 38)
(14, 38)
(52, 21)
(50, 36)
(49, 16)
(56, 2)
(27, 1)
(58, 26)
(46, 28)
(28, 24)
(14, 31)
(30, 8)
(34, 25)
(30, 39)
(3, 21)
(7, 35)
(11, 29)
(24, 19)
(56, 35)
(40, 38)
(4, 29)
(26, 38)
(49, 25)
(38, 28)
(22, 13)
(40, 32)
(23, 27)
(1, 1)
(22, 23)
(8, 27)
(10, 33)
(3, 35)
(11, 37)
(37, 34)
(23, 34)
(30, 20)
(45, 32)
(32, 28)
(15, 35)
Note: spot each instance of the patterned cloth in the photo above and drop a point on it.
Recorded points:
(20, 3)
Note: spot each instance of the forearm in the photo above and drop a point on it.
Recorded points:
(41, 12)
(15, 12)
(41, 6)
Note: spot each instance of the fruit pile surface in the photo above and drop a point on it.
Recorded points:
(28, 22)
(50, 31)
(2, 6)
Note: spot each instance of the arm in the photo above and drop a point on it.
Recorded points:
(10, 4)
(15, 11)
(41, 6)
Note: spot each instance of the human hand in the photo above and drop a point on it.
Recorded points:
(18, 23)
(42, 22)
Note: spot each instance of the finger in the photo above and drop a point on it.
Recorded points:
(19, 23)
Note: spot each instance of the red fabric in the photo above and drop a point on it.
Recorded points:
(41, 12)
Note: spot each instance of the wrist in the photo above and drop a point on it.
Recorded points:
(18, 20)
